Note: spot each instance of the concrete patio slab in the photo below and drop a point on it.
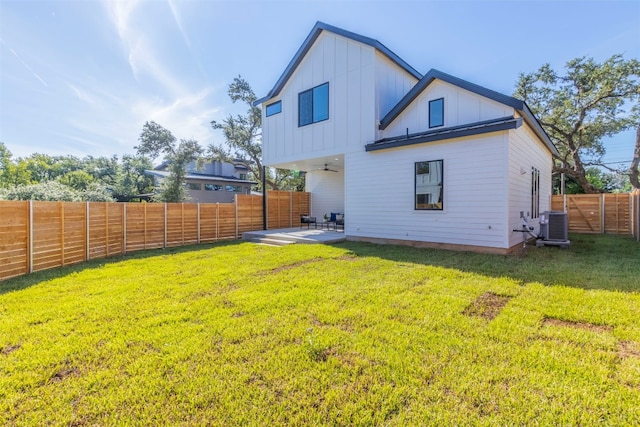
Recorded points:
(295, 235)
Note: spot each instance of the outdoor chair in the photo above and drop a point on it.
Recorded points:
(337, 220)
(308, 220)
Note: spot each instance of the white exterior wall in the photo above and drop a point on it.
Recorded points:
(380, 193)
(349, 67)
(327, 192)
(392, 83)
(525, 152)
(460, 107)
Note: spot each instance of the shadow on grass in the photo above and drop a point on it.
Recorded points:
(604, 262)
(23, 282)
(593, 262)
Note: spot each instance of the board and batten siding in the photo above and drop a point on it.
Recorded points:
(349, 68)
(392, 83)
(460, 107)
(526, 151)
(380, 193)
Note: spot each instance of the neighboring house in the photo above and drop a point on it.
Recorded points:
(214, 182)
(428, 160)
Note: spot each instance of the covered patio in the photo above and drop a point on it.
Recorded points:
(287, 236)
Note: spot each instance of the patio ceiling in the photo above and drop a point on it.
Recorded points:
(335, 163)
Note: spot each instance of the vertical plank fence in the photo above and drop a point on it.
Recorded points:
(38, 235)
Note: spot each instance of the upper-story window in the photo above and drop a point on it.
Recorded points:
(274, 108)
(313, 105)
(436, 113)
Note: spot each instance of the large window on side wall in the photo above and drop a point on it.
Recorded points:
(535, 193)
(313, 105)
(429, 185)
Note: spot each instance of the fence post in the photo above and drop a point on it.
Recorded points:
(124, 229)
(198, 223)
(235, 201)
(86, 231)
(61, 232)
(165, 225)
(217, 220)
(602, 228)
(30, 248)
(106, 228)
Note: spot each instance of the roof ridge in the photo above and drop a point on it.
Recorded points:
(308, 43)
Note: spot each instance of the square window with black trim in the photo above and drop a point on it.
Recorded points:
(436, 113)
(313, 105)
(274, 108)
(429, 185)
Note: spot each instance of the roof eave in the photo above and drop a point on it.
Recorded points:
(537, 128)
(434, 74)
(444, 134)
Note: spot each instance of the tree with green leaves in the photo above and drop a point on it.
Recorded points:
(243, 137)
(155, 141)
(581, 107)
(12, 173)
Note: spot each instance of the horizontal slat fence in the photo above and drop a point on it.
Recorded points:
(601, 213)
(38, 235)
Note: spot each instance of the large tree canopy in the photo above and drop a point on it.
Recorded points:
(243, 137)
(90, 178)
(581, 107)
(155, 141)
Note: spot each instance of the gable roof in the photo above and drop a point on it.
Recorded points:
(311, 38)
(434, 74)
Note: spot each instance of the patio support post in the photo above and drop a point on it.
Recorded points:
(264, 197)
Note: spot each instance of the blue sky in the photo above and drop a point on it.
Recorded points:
(81, 77)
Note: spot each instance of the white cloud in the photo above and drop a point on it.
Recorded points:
(33, 73)
(140, 50)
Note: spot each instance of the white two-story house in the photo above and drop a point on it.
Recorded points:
(427, 160)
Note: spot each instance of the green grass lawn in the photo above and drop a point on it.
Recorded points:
(349, 334)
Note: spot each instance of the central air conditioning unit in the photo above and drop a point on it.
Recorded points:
(554, 229)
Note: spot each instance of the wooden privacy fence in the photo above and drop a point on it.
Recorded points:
(40, 235)
(601, 213)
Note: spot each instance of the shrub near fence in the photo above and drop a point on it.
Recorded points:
(601, 213)
(39, 235)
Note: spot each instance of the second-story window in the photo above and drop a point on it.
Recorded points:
(274, 108)
(436, 113)
(313, 105)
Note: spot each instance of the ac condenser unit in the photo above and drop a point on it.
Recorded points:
(554, 228)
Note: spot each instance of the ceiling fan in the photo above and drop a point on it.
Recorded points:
(326, 168)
